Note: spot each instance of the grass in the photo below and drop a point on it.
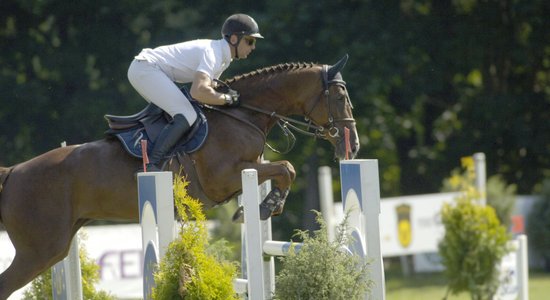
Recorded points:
(433, 286)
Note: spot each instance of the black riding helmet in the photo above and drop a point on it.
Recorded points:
(240, 25)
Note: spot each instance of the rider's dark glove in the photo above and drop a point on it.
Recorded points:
(232, 98)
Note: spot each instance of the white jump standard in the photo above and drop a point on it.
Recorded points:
(156, 216)
(361, 196)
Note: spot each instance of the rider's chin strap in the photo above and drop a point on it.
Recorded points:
(236, 45)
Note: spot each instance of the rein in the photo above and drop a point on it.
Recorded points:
(286, 122)
(289, 122)
(283, 120)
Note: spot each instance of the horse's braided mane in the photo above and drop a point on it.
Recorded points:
(272, 70)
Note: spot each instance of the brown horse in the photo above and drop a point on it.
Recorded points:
(44, 201)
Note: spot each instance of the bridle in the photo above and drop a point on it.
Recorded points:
(313, 130)
(331, 129)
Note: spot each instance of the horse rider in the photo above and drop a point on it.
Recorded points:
(153, 74)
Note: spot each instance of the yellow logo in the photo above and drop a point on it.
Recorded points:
(404, 230)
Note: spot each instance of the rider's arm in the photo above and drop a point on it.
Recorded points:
(203, 91)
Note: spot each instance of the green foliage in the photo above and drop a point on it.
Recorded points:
(321, 270)
(190, 270)
(41, 287)
(473, 245)
(424, 80)
(500, 196)
(463, 180)
(538, 226)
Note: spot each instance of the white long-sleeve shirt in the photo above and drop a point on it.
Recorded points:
(180, 61)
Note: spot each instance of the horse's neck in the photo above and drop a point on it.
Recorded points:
(284, 94)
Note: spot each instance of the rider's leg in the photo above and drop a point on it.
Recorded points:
(156, 87)
(166, 140)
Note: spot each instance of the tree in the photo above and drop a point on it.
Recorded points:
(431, 81)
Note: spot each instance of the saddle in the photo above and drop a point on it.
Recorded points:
(147, 125)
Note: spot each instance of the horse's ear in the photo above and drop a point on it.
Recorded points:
(334, 69)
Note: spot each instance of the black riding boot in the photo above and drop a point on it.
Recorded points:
(166, 140)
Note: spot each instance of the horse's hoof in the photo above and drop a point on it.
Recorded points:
(265, 212)
(238, 216)
(279, 208)
(273, 204)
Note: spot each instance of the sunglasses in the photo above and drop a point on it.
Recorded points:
(250, 41)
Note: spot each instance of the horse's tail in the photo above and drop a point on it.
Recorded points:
(4, 173)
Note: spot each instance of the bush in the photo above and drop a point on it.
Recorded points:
(473, 245)
(321, 270)
(500, 195)
(191, 268)
(538, 226)
(41, 287)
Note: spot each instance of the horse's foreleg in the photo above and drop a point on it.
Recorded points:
(282, 174)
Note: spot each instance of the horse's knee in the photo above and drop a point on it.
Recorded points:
(291, 171)
(288, 171)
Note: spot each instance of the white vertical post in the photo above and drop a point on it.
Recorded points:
(523, 268)
(67, 277)
(75, 274)
(360, 182)
(481, 176)
(371, 206)
(156, 216)
(326, 199)
(244, 256)
(165, 212)
(254, 243)
(268, 264)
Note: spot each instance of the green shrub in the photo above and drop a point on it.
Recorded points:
(538, 226)
(189, 270)
(41, 287)
(502, 197)
(321, 270)
(473, 245)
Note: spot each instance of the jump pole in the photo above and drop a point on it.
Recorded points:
(326, 200)
(361, 198)
(67, 276)
(156, 216)
(258, 265)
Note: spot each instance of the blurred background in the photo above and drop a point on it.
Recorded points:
(431, 81)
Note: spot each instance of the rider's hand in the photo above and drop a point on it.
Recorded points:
(232, 98)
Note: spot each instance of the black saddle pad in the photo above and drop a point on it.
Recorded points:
(191, 142)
